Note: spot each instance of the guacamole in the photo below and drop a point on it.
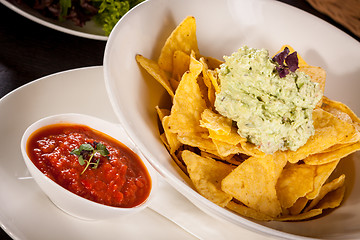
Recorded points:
(272, 112)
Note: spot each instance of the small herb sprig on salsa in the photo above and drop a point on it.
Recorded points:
(106, 13)
(86, 154)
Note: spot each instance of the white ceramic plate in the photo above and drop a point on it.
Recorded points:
(25, 211)
(90, 30)
(223, 27)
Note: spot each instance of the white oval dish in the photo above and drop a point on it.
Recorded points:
(223, 27)
(91, 30)
(67, 201)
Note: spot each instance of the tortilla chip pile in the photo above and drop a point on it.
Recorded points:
(224, 167)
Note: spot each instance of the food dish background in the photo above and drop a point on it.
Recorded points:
(90, 30)
(30, 51)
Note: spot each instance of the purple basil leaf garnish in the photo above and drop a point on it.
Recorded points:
(281, 56)
(283, 71)
(286, 62)
(292, 61)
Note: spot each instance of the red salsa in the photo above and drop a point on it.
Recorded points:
(120, 179)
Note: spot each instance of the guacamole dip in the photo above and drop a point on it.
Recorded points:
(271, 112)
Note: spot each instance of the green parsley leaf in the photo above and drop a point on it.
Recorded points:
(101, 148)
(85, 150)
(81, 160)
(76, 152)
(64, 8)
(86, 147)
(110, 12)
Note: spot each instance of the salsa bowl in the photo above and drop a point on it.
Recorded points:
(66, 200)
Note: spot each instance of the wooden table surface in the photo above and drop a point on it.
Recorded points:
(29, 51)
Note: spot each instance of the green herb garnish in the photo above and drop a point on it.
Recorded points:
(86, 154)
(110, 12)
(65, 5)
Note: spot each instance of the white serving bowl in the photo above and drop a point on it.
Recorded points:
(67, 201)
(223, 26)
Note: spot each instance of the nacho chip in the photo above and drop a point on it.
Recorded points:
(225, 149)
(212, 74)
(332, 199)
(236, 159)
(325, 189)
(156, 72)
(233, 138)
(198, 140)
(343, 108)
(247, 212)
(207, 174)
(181, 62)
(216, 156)
(164, 140)
(208, 82)
(205, 91)
(341, 151)
(339, 110)
(337, 113)
(171, 137)
(220, 128)
(178, 162)
(174, 83)
(295, 181)
(303, 216)
(183, 38)
(329, 130)
(217, 123)
(162, 112)
(188, 103)
(322, 174)
(342, 132)
(213, 63)
(298, 206)
(253, 183)
(251, 149)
